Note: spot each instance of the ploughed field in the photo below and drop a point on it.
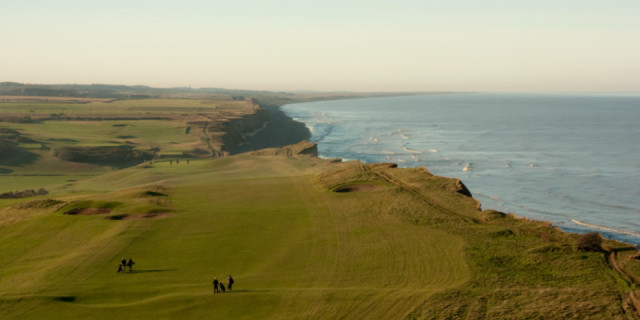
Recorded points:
(303, 237)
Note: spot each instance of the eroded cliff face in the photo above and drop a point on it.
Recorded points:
(237, 130)
(268, 127)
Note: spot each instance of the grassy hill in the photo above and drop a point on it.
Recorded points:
(304, 238)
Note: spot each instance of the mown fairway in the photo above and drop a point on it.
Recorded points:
(399, 244)
(296, 250)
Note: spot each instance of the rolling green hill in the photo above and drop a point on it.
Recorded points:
(304, 238)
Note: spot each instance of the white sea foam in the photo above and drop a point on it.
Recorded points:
(412, 151)
(595, 226)
(566, 152)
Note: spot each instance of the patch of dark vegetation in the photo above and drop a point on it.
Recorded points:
(88, 211)
(23, 193)
(502, 233)
(356, 188)
(62, 140)
(5, 170)
(155, 194)
(117, 217)
(120, 125)
(65, 298)
(10, 152)
(38, 204)
(21, 139)
(118, 156)
(126, 137)
(18, 119)
(148, 215)
(590, 242)
(9, 131)
(88, 207)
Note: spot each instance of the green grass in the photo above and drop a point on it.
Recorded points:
(288, 245)
(296, 249)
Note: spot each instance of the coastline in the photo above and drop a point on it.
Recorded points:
(278, 130)
(387, 218)
(503, 180)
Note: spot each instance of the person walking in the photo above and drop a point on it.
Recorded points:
(130, 264)
(215, 285)
(229, 282)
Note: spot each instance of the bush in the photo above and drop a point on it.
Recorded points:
(23, 194)
(591, 241)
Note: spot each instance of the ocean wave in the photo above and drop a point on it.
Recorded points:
(467, 167)
(599, 227)
(433, 150)
(412, 151)
(404, 136)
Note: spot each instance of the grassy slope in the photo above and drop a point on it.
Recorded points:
(412, 248)
(296, 249)
(36, 166)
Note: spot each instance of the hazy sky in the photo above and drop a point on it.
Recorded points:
(470, 45)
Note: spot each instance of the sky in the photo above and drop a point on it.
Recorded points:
(372, 45)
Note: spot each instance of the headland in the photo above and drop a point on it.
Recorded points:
(303, 237)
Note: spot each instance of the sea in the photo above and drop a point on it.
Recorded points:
(570, 159)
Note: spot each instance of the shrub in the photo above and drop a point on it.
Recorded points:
(591, 241)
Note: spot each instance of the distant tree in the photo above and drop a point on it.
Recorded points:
(591, 241)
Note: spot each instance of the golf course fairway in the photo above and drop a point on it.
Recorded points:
(303, 237)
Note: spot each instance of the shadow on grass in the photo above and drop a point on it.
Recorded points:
(150, 270)
(17, 158)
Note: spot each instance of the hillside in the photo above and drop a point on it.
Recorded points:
(303, 238)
